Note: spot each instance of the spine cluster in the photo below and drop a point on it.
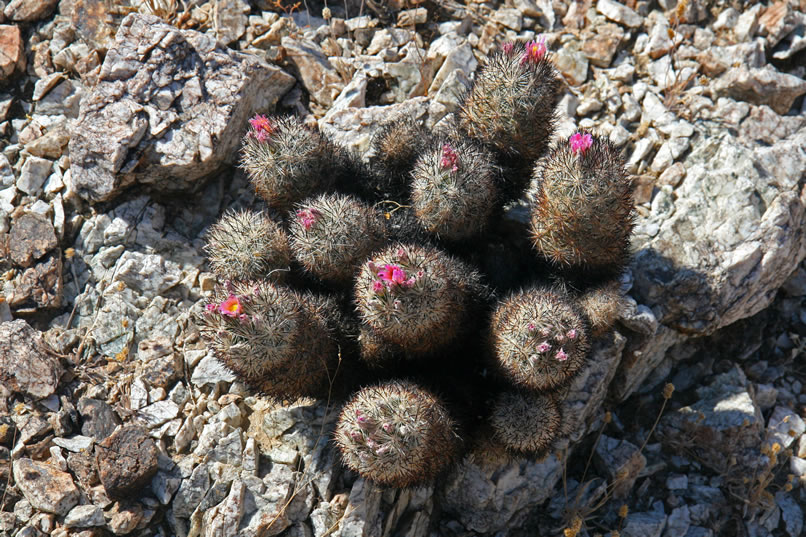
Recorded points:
(377, 279)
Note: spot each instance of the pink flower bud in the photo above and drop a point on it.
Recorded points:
(572, 334)
(544, 347)
(377, 286)
(561, 356)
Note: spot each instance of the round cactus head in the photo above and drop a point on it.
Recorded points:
(511, 104)
(248, 245)
(415, 297)
(539, 338)
(453, 189)
(602, 304)
(397, 144)
(285, 160)
(272, 338)
(331, 234)
(582, 206)
(396, 434)
(525, 422)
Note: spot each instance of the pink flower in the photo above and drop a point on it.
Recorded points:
(450, 159)
(561, 356)
(535, 50)
(572, 334)
(231, 307)
(210, 308)
(261, 128)
(544, 347)
(401, 254)
(507, 47)
(530, 327)
(580, 142)
(392, 275)
(388, 427)
(307, 217)
(356, 435)
(377, 286)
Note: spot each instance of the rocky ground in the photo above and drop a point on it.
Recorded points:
(114, 419)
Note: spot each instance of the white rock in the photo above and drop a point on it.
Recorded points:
(784, 427)
(619, 13)
(84, 516)
(158, 413)
(33, 174)
(75, 444)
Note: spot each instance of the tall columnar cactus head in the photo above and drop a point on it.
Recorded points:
(511, 104)
(248, 245)
(526, 422)
(271, 337)
(582, 206)
(396, 434)
(331, 234)
(285, 160)
(540, 339)
(397, 144)
(602, 304)
(415, 297)
(453, 189)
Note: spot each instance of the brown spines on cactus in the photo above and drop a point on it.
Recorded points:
(524, 422)
(285, 160)
(582, 208)
(274, 339)
(540, 340)
(415, 297)
(248, 245)
(510, 106)
(396, 144)
(453, 190)
(331, 234)
(602, 304)
(396, 434)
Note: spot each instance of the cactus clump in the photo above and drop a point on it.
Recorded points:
(526, 422)
(271, 337)
(331, 234)
(398, 143)
(453, 190)
(415, 297)
(511, 103)
(396, 434)
(248, 245)
(540, 339)
(285, 160)
(582, 206)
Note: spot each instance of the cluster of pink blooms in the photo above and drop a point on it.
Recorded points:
(450, 158)
(535, 50)
(580, 142)
(261, 128)
(508, 47)
(545, 346)
(231, 307)
(391, 276)
(308, 217)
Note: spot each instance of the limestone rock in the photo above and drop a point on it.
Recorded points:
(29, 10)
(313, 69)
(720, 252)
(12, 52)
(47, 488)
(27, 365)
(168, 117)
(619, 13)
(761, 86)
(127, 460)
(84, 516)
(31, 237)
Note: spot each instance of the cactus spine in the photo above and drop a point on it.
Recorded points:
(396, 434)
(526, 422)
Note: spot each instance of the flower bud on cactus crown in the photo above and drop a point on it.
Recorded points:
(582, 206)
(396, 434)
(539, 338)
(272, 338)
(453, 189)
(511, 104)
(285, 161)
(331, 234)
(415, 297)
(248, 245)
(524, 422)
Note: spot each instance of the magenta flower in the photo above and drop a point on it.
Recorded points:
(572, 334)
(544, 347)
(231, 307)
(535, 50)
(507, 47)
(377, 286)
(561, 356)
(392, 275)
(307, 217)
(210, 308)
(580, 142)
(261, 128)
(450, 159)
(530, 327)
